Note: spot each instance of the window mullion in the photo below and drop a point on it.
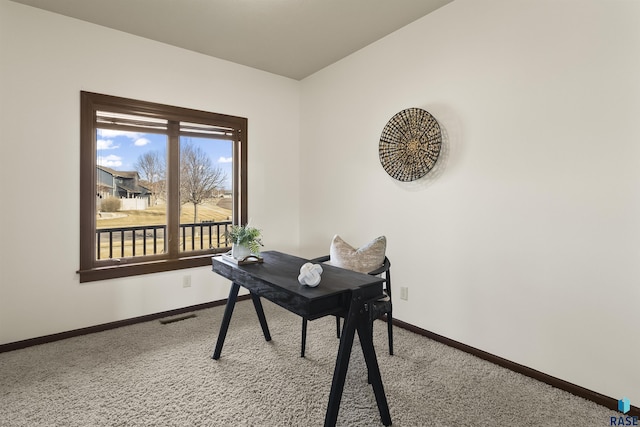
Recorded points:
(240, 212)
(173, 182)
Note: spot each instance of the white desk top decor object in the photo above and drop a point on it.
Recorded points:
(310, 274)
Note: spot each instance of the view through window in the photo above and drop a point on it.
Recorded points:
(160, 185)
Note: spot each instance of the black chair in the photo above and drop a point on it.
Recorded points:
(375, 308)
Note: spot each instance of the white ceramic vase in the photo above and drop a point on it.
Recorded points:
(239, 251)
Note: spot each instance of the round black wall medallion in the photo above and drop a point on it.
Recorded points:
(410, 144)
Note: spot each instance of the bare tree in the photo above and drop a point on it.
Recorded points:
(152, 169)
(198, 177)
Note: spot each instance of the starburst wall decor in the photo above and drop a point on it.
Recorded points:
(410, 144)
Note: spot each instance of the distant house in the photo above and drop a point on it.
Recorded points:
(120, 184)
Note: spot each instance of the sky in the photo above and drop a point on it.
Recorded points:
(120, 150)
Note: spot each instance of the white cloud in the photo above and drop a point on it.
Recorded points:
(106, 144)
(112, 133)
(141, 142)
(225, 159)
(111, 161)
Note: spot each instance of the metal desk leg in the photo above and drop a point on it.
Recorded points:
(226, 318)
(342, 362)
(260, 312)
(304, 337)
(356, 319)
(373, 370)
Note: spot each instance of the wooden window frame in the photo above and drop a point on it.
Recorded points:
(92, 269)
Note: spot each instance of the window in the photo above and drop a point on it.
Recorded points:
(159, 185)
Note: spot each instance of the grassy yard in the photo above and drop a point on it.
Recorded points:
(216, 210)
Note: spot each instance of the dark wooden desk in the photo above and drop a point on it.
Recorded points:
(342, 292)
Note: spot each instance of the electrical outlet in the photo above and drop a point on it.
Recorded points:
(186, 281)
(404, 293)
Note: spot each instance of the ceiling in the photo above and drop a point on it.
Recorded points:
(292, 38)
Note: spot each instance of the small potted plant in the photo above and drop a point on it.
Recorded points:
(245, 240)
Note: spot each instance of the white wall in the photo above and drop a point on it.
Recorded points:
(45, 61)
(525, 239)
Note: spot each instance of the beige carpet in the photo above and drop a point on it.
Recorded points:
(152, 374)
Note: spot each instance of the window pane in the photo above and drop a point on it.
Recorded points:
(206, 203)
(131, 195)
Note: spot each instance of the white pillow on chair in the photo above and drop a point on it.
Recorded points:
(364, 259)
